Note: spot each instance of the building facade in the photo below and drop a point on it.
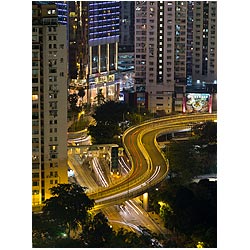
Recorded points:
(103, 39)
(154, 54)
(127, 26)
(49, 98)
(95, 64)
(175, 46)
(204, 59)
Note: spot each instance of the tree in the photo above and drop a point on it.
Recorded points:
(97, 232)
(110, 112)
(182, 160)
(206, 132)
(73, 98)
(107, 117)
(81, 92)
(69, 206)
(103, 133)
(100, 99)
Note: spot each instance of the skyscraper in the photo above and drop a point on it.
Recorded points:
(126, 41)
(96, 23)
(154, 54)
(175, 46)
(49, 98)
(204, 64)
(103, 21)
(78, 39)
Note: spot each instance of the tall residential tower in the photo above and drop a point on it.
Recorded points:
(175, 46)
(49, 98)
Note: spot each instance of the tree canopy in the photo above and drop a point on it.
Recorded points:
(67, 209)
(107, 116)
(192, 210)
(68, 206)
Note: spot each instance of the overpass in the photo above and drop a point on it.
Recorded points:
(148, 166)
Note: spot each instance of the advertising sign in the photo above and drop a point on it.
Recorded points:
(197, 102)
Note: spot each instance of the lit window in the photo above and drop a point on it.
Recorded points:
(34, 97)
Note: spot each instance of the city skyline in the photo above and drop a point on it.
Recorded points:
(227, 81)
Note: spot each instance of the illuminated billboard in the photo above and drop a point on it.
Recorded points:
(197, 102)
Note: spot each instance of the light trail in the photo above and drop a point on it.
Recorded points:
(133, 206)
(127, 224)
(145, 160)
(156, 172)
(124, 166)
(78, 140)
(99, 172)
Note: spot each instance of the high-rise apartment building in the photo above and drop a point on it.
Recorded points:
(126, 39)
(154, 54)
(175, 46)
(204, 62)
(126, 42)
(49, 98)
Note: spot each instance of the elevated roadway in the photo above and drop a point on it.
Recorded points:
(148, 166)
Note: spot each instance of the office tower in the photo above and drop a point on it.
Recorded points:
(103, 38)
(94, 36)
(49, 98)
(175, 46)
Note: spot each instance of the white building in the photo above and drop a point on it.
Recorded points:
(49, 100)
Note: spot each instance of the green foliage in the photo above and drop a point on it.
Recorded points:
(124, 238)
(107, 116)
(103, 133)
(193, 157)
(182, 160)
(110, 112)
(79, 125)
(191, 211)
(100, 99)
(69, 205)
(206, 132)
(72, 98)
(97, 232)
(45, 230)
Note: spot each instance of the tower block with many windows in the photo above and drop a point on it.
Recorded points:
(49, 98)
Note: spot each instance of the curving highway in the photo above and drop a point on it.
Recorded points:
(148, 164)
